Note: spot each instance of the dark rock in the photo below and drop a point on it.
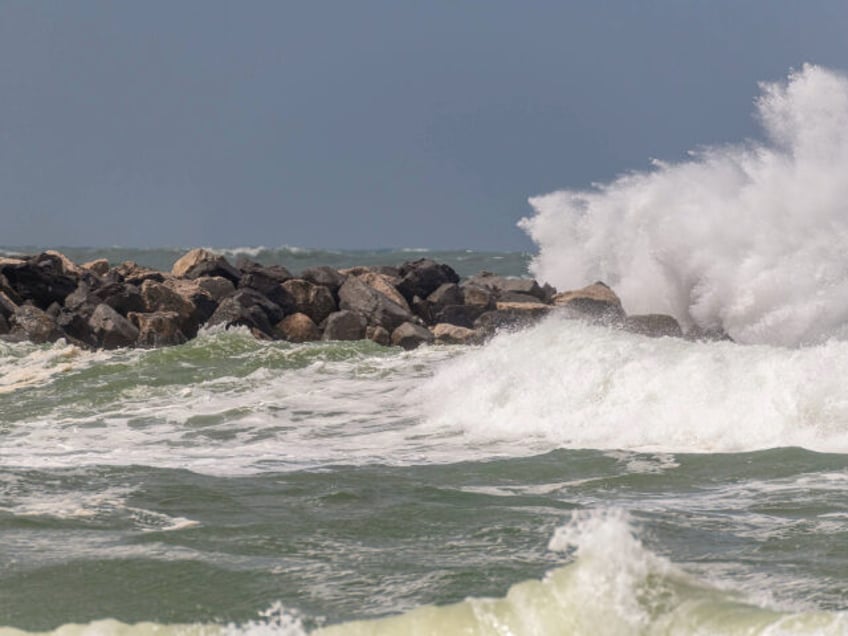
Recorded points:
(511, 316)
(462, 315)
(53, 310)
(344, 325)
(40, 279)
(503, 285)
(268, 281)
(324, 276)
(315, 301)
(423, 309)
(447, 294)
(133, 273)
(299, 327)
(517, 297)
(122, 297)
(378, 334)
(4, 325)
(377, 308)
(76, 327)
(200, 262)
(34, 325)
(249, 308)
(653, 325)
(410, 336)
(423, 277)
(217, 287)
(597, 302)
(160, 298)
(110, 329)
(6, 288)
(158, 329)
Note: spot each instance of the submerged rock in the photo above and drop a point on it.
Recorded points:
(653, 325)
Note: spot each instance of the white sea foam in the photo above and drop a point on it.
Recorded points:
(568, 384)
(750, 237)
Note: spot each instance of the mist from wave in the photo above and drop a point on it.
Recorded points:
(749, 237)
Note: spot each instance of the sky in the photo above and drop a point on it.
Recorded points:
(365, 124)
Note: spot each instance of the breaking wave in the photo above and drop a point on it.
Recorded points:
(749, 237)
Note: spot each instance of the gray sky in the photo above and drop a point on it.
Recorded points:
(364, 124)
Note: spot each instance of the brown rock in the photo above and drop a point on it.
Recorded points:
(376, 307)
(200, 262)
(158, 297)
(158, 329)
(110, 329)
(298, 327)
(597, 302)
(384, 284)
(379, 335)
(315, 301)
(99, 266)
(34, 324)
(445, 333)
(410, 336)
(344, 325)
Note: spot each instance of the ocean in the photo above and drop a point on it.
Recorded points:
(563, 479)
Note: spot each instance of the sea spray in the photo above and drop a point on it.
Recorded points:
(565, 384)
(749, 237)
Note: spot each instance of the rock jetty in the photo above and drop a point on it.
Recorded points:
(47, 297)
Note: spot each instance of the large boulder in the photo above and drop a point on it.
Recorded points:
(502, 285)
(33, 324)
(122, 297)
(158, 329)
(377, 308)
(410, 335)
(386, 285)
(324, 276)
(315, 301)
(203, 294)
(478, 295)
(110, 329)
(653, 325)
(446, 294)
(298, 327)
(76, 326)
(41, 279)
(159, 297)
(344, 325)
(597, 302)
(200, 262)
(424, 276)
(249, 308)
